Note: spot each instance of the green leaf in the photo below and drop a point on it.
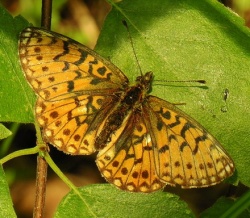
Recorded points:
(107, 201)
(183, 40)
(16, 97)
(4, 132)
(224, 204)
(6, 206)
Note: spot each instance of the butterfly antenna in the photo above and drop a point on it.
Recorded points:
(132, 44)
(138, 63)
(202, 81)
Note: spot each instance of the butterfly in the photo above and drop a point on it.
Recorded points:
(85, 104)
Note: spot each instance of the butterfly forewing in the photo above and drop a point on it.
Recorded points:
(59, 68)
(85, 105)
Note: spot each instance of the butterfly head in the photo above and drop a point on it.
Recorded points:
(145, 81)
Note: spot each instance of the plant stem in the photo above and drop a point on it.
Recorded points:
(41, 180)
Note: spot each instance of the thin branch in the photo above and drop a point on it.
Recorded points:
(46, 14)
(41, 180)
(41, 177)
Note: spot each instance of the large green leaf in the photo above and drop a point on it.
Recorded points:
(16, 97)
(189, 39)
(107, 201)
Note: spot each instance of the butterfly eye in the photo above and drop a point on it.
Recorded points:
(148, 76)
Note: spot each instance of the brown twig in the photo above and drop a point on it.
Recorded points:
(41, 177)
(41, 180)
(46, 13)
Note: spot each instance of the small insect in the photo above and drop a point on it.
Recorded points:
(85, 104)
(225, 94)
(225, 97)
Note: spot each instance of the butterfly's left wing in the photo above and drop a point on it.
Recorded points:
(184, 152)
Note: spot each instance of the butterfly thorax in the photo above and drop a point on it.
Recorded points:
(130, 101)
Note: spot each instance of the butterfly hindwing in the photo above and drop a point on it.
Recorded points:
(185, 153)
(72, 124)
(128, 159)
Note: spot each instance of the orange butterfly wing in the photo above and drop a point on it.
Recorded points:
(185, 154)
(76, 88)
(128, 159)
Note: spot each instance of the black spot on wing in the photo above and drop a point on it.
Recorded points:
(66, 66)
(185, 128)
(82, 58)
(102, 70)
(71, 86)
(65, 51)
